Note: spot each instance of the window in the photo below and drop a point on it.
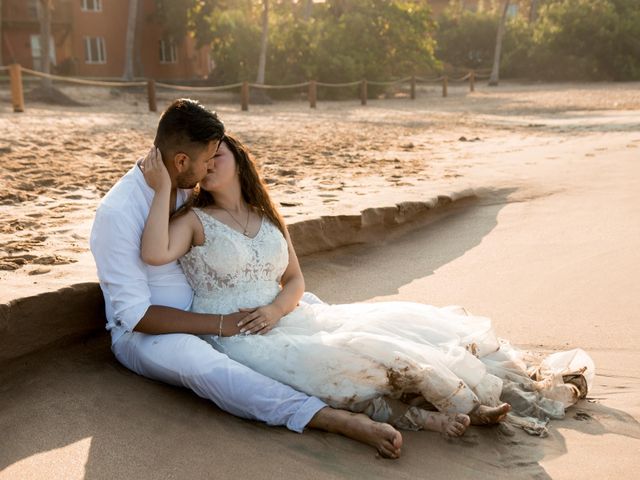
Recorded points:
(168, 53)
(91, 5)
(36, 52)
(94, 51)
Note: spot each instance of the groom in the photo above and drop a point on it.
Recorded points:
(152, 330)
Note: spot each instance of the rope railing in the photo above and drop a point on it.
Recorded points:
(338, 85)
(392, 82)
(186, 88)
(429, 80)
(15, 73)
(278, 87)
(461, 79)
(81, 81)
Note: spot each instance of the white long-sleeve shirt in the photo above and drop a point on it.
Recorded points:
(128, 284)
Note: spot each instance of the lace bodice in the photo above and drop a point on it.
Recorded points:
(232, 271)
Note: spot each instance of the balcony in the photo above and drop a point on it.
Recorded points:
(23, 15)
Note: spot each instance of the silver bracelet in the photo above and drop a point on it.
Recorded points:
(220, 325)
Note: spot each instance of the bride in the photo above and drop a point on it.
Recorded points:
(412, 365)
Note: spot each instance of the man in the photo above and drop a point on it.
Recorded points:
(152, 331)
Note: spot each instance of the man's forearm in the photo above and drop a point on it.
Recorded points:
(159, 319)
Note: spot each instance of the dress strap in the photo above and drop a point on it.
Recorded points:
(209, 223)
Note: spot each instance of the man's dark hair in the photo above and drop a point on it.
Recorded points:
(187, 126)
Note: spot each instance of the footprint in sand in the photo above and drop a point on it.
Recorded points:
(45, 182)
(582, 416)
(53, 260)
(39, 271)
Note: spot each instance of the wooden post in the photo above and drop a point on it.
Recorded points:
(151, 95)
(363, 92)
(17, 96)
(413, 87)
(244, 96)
(472, 81)
(313, 93)
(445, 84)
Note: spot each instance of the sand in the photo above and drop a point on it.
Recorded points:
(550, 252)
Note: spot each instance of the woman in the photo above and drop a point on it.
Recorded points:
(388, 360)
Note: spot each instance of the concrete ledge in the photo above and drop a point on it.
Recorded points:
(35, 322)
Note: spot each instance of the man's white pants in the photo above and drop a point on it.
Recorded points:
(188, 361)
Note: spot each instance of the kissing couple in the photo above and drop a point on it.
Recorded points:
(203, 289)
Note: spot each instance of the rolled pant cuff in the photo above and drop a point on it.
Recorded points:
(305, 413)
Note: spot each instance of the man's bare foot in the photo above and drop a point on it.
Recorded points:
(452, 425)
(484, 415)
(383, 437)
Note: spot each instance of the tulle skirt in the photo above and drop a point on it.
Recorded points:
(352, 356)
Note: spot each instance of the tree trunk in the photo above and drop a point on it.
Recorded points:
(1, 62)
(130, 40)
(495, 71)
(45, 36)
(262, 63)
(533, 11)
(308, 9)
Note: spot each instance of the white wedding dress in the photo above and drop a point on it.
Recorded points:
(357, 356)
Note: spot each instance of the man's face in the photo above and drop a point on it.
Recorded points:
(197, 166)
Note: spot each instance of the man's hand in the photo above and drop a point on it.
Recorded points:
(260, 320)
(155, 173)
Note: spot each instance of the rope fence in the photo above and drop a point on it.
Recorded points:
(17, 96)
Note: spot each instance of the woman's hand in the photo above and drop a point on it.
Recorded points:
(260, 320)
(155, 173)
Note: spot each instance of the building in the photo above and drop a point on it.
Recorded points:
(88, 40)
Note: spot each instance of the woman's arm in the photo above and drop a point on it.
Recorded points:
(263, 319)
(163, 242)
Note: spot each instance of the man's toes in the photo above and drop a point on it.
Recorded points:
(388, 451)
(463, 419)
(397, 441)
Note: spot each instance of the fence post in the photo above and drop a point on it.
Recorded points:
(17, 96)
(244, 96)
(313, 93)
(472, 81)
(445, 83)
(363, 92)
(413, 87)
(151, 94)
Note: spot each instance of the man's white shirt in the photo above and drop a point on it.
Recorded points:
(129, 285)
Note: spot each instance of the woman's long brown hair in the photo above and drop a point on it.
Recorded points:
(254, 190)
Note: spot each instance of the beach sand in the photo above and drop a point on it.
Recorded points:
(549, 251)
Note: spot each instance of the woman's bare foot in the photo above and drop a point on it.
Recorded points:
(484, 415)
(383, 437)
(452, 425)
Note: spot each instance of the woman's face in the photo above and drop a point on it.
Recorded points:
(222, 171)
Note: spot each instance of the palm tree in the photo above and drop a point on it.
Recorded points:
(533, 11)
(262, 62)
(46, 7)
(308, 9)
(495, 71)
(130, 40)
(1, 32)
